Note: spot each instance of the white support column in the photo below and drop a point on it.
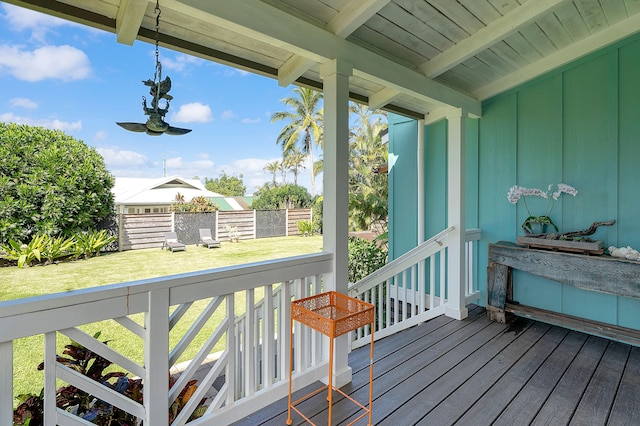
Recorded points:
(456, 306)
(420, 168)
(156, 358)
(420, 197)
(335, 75)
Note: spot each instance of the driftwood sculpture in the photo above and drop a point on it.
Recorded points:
(567, 236)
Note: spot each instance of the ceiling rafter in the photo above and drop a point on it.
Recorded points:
(562, 57)
(129, 20)
(257, 19)
(486, 37)
(355, 14)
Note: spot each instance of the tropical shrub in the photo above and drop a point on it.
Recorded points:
(197, 205)
(25, 254)
(90, 243)
(365, 257)
(279, 197)
(50, 183)
(30, 409)
(45, 249)
(305, 227)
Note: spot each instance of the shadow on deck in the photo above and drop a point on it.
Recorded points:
(477, 372)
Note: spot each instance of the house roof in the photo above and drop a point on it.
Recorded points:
(159, 191)
(232, 203)
(413, 57)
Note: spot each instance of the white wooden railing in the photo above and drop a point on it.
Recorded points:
(413, 288)
(251, 369)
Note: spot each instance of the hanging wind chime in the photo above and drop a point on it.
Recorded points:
(159, 90)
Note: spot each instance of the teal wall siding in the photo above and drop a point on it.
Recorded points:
(579, 125)
(403, 187)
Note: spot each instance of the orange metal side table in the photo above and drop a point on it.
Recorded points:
(332, 314)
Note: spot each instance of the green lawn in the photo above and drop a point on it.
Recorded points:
(131, 266)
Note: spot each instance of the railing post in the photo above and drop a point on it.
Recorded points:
(156, 359)
(6, 383)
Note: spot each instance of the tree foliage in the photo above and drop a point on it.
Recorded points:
(50, 183)
(229, 186)
(368, 191)
(304, 124)
(197, 205)
(287, 196)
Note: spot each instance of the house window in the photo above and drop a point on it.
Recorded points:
(147, 210)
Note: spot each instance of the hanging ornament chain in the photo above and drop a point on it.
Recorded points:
(157, 78)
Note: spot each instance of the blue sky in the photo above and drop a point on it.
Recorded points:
(57, 74)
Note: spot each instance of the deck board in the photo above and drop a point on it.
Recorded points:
(478, 372)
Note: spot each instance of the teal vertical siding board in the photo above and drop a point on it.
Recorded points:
(403, 204)
(435, 186)
(628, 226)
(497, 172)
(472, 173)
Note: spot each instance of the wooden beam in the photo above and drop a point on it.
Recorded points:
(344, 23)
(261, 21)
(486, 37)
(382, 97)
(581, 48)
(354, 14)
(129, 20)
(293, 68)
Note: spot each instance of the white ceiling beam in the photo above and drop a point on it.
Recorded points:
(129, 20)
(382, 97)
(486, 37)
(344, 23)
(293, 68)
(562, 57)
(354, 14)
(256, 19)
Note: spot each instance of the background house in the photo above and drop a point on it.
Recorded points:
(140, 195)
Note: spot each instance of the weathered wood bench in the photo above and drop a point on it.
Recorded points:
(595, 273)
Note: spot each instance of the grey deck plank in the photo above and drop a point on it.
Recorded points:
(626, 407)
(477, 372)
(428, 397)
(559, 407)
(489, 403)
(595, 405)
(388, 371)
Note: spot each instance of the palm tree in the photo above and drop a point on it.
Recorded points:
(294, 161)
(282, 168)
(304, 124)
(367, 191)
(272, 168)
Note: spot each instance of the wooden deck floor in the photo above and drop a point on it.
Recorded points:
(477, 372)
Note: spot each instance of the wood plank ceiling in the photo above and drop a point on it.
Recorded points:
(416, 57)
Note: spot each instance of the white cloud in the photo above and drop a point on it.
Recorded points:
(251, 120)
(115, 157)
(180, 62)
(194, 112)
(23, 103)
(100, 135)
(39, 24)
(55, 124)
(188, 169)
(228, 114)
(48, 62)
